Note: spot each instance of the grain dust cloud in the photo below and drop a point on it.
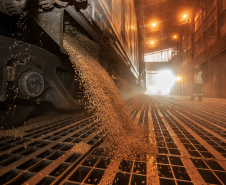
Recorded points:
(124, 139)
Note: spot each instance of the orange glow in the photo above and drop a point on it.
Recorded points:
(179, 78)
(152, 42)
(175, 36)
(185, 16)
(154, 24)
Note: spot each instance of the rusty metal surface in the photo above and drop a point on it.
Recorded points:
(46, 155)
(122, 18)
(52, 23)
(32, 56)
(189, 152)
(207, 152)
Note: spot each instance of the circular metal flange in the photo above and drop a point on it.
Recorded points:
(31, 84)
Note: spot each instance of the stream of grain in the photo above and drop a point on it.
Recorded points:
(124, 139)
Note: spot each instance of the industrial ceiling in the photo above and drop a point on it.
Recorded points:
(162, 21)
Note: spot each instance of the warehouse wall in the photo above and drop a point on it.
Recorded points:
(203, 42)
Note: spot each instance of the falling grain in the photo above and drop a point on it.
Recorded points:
(124, 139)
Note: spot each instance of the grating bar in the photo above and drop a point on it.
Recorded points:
(207, 161)
(37, 156)
(189, 138)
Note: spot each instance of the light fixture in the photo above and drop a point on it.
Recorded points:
(185, 16)
(175, 36)
(178, 78)
(154, 24)
(152, 42)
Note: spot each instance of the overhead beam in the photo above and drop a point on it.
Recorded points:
(158, 66)
(144, 6)
(160, 12)
(162, 45)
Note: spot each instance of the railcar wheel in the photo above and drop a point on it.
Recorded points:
(13, 115)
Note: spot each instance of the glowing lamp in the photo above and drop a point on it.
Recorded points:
(178, 78)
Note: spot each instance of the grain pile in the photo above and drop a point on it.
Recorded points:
(81, 148)
(124, 138)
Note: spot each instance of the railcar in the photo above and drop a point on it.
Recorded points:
(34, 67)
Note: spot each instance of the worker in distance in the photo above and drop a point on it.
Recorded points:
(197, 84)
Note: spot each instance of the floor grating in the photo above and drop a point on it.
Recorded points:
(189, 136)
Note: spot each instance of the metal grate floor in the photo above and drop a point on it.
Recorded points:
(189, 136)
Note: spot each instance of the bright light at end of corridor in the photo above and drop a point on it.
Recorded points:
(162, 83)
(165, 81)
(178, 78)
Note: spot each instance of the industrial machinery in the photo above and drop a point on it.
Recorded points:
(34, 67)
